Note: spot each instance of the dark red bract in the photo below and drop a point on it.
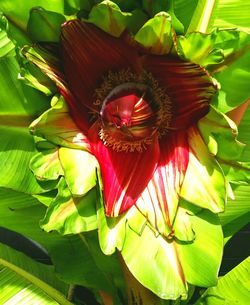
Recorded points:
(135, 109)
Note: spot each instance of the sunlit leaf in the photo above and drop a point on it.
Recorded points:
(23, 279)
(233, 288)
(32, 76)
(220, 134)
(223, 13)
(46, 165)
(157, 42)
(204, 184)
(17, 11)
(183, 229)
(71, 215)
(111, 229)
(17, 110)
(200, 48)
(201, 259)
(237, 213)
(7, 46)
(108, 16)
(79, 170)
(164, 273)
(57, 126)
(236, 75)
(70, 255)
(157, 6)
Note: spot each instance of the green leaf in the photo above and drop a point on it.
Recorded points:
(233, 42)
(70, 255)
(6, 45)
(157, 6)
(56, 126)
(111, 229)
(202, 16)
(184, 10)
(170, 258)
(70, 215)
(237, 213)
(204, 184)
(17, 148)
(154, 7)
(200, 48)
(135, 20)
(50, 23)
(29, 73)
(17, 99)
(233, 288)
(14, 97)
(223, 14)
(17, 110)
(163, 275)
(182, 227)
(47, 197)
(177, 25)
(220, 134)
(157, 34)
(23, 279)
(32, 76)
(46, 165)
(17, 11)
(108, 17)
(244, 134)
(201, 259)
(79, 170)
(233, 70)
(109, 264)
(236, 75)
(236, 172)
(231, 14)
(18, 37)
(74, 6)
(215, 50)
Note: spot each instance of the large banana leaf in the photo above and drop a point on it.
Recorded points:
(19, 105)
(71, 255)
(237, 213)
(233, 71)
(220, 13)
(17, 11)
(233, 288)
(24, 281)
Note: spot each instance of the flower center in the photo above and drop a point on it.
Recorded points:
(133, 112)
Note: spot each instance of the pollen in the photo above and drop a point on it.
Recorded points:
(133, 110)
(122, 145)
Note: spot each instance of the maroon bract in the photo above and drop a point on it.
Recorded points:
(135, 109)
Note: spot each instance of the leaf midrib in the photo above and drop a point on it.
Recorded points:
(50, 291)
(203, 13)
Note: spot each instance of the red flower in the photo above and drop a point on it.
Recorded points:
(135, 109)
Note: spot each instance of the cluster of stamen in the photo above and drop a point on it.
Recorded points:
(133, 110)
